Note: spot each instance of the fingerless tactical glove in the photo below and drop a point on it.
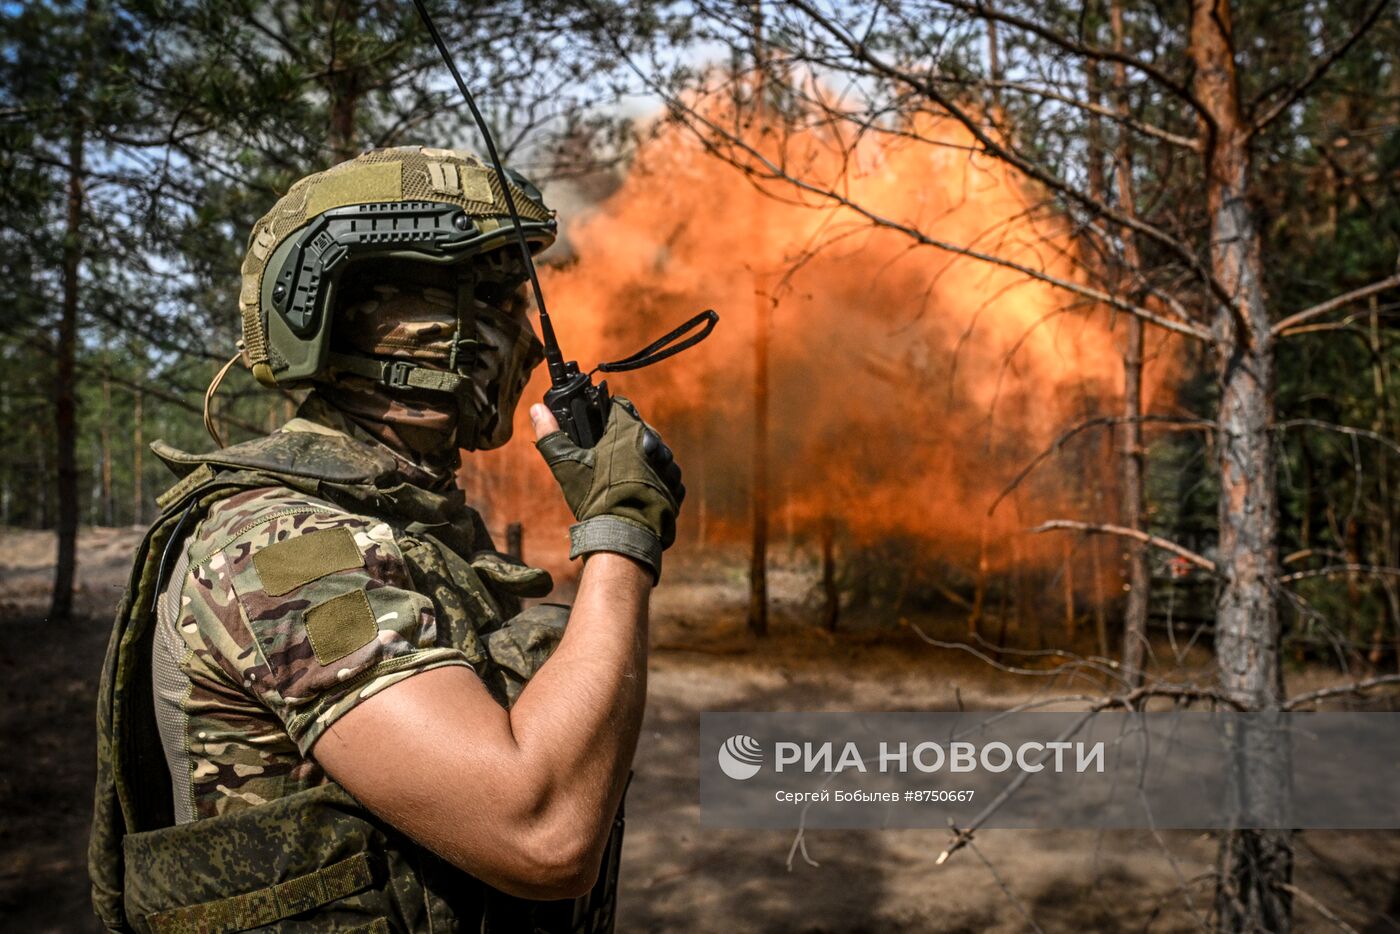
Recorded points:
(625, 491)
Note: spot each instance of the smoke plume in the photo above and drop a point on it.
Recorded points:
(909, 384)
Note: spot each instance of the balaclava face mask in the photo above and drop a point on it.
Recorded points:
(506, 354)
(409, 311)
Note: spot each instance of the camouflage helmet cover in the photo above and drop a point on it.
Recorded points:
(440, 206)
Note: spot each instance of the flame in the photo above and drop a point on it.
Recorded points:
(909, 384)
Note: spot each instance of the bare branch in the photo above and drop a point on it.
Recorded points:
(1074, 668)
(1355, 687)
(1332, 570)
(1281, 328)
(799, 844)
(998, 150)
(1146, 129)
(1129, 700)
(1097, 53)
(1341, 430)
(1320, 68)
(180, 401)
(1104, 528)
(1317, 906)
(1021, 909)
(962, 836)
(1185, 424)
(1189, 329)
(689, 115)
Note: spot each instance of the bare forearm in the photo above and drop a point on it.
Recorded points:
(577, 720)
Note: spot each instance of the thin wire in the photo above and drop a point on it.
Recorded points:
(209, 398)
(165, 553)
(559, 372)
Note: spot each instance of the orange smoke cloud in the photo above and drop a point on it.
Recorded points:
(908, 384)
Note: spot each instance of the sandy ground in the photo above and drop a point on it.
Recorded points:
(677, 876)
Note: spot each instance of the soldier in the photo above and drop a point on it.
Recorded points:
(322, 708)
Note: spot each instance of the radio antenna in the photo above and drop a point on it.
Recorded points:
(580, 407)
(552, 355)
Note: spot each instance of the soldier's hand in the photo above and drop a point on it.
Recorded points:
(625, 491)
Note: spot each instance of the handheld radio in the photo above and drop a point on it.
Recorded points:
(580, 406)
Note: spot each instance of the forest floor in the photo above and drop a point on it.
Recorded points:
(678, 876)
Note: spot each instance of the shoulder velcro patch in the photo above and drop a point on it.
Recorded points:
(286, 565)
(340, 625)
(201, 474)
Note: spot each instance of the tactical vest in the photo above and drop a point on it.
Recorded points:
(316, 860)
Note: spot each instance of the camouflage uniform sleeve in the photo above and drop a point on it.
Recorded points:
(309, 610)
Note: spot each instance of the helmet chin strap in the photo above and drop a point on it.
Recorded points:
(403, 374)
(454, 381)
(462, 358)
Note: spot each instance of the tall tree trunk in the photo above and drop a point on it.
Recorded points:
(138, 489)
(343, 84)
(1254, 865)
(993, 60)
(1067, 580)
(831, 596)
(44, 476)
(979, 591)
(1133, 464)
(65, 401)
(702, 496)
(758, 557)
(7, 468)
(107, 511)
(1132, 461)
(1100, 617)
(1385, 546)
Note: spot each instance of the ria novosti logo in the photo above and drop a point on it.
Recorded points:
(740, 757)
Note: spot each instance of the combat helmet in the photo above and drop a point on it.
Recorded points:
(437, 206)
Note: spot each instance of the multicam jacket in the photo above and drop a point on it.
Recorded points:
(289, 611)
(287, 580)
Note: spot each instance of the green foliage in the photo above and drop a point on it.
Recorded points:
(196, 115)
